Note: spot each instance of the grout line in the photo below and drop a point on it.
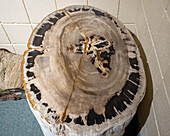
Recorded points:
(27, 13)
(6, 23)
(6, 33)
(55, 1)
(158, 61)
(13, 44)
(149, 55)
(147, 23)
(35, 24)
(157, 87)
(5, 44)
(165, 7)
(118, 8)
(129, 23)
(143, 129)
(168, 17)
(156, 53)
(17, 24)
(133, 24)
(151, 39)
(14, 48)
(8, 37)
(167, 132)
(156, 122)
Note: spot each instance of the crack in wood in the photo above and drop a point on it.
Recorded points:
(73, 89)
(62, 119)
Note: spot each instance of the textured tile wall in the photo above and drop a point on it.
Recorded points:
(127, 11)
(153, 25)
(111, 6)
(38, 9)
(18, 18)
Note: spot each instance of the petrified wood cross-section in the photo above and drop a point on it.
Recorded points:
(82, 73)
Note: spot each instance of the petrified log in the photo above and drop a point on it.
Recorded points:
(82, 73)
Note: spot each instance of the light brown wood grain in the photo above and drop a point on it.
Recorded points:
(11, 87)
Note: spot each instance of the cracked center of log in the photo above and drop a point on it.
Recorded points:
(97, 49)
